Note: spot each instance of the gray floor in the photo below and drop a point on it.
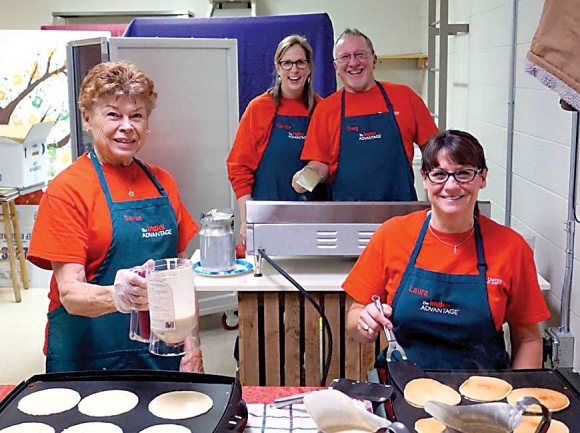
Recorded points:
(22, 336)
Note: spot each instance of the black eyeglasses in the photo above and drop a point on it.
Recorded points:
(287, 64)
(359, 55)
(465, 175)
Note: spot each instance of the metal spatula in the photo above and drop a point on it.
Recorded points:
(403, 371)
(486, 417)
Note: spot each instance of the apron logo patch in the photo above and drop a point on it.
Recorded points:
(297, 135)
(439, 307)
(155, 231)
(371, 135)
(283, 126)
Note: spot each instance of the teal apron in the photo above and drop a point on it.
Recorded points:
(372, 164)
(447, 323)
(78, 343)
(281, 159)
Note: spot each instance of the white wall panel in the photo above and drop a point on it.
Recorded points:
(490, 29)
(540, 209)
(488, 104)
(543, 162)
(489, 67)
(492, 138)
(538, 113)
(478, 6)
(495, 189)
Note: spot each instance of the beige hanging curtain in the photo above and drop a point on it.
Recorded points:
(554, 56)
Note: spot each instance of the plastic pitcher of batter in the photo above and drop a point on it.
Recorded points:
(173, 307)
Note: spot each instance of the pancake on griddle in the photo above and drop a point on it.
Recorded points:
(429, 425)
(28, 427)
(485, 389)
(529, 424)
(49, 401)
(180, 404)
(108, 403)
(94, 427)
(420, 391)
(553, 400)
(166, 428)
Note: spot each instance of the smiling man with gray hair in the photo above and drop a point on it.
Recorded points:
(360, 139)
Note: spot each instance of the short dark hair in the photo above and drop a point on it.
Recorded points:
(459, 146)
(354, 32)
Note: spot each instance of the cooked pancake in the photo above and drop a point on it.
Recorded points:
(49, 401)
(429, 425)
(108, 403)
(553, 400)
(94, 427)
(529, 424)
(485, 389)
(28, 427)
(166, 428)
(419, 391)
(180, 404)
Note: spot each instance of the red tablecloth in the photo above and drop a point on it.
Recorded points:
(250, 394)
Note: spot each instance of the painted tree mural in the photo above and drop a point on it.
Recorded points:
(34, 88)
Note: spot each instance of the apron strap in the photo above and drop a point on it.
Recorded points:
(385, 97)
(150, 175)
(100, 174)
(105, 187)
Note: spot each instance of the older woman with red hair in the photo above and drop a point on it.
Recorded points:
(88, 231)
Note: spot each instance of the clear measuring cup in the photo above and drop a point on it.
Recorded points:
(173, 307)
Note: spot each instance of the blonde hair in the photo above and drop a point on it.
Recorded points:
(116, 78)
(308, 93)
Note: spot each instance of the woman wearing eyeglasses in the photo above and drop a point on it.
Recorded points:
(266, 150)
(449, 277)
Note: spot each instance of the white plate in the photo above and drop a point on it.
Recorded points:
(242, 267)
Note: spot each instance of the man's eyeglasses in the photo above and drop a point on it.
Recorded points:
(465, 175)
(287, 64)
(359, 55)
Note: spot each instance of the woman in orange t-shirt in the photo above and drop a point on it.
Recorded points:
(266, 150)
(91, 231)
(449, 278)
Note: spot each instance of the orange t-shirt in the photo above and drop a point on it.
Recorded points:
(512, 283)
(323, 139)
(252, 138)
(73, 224)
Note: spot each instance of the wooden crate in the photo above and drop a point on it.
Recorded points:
(281, 336)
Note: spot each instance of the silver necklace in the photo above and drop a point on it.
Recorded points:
(131, 192)
(451, 245)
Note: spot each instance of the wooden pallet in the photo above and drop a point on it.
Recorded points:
(281, 334)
